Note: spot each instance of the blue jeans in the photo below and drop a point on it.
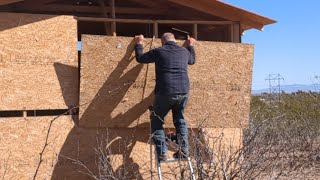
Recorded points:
(162, 105)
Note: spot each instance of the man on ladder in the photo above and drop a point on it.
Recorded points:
(171, 91)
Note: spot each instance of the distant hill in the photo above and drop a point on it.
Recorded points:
(291, 88)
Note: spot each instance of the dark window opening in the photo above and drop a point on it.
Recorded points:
(42, 112)
(11, 113)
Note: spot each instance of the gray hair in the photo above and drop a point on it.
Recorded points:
(166, 37)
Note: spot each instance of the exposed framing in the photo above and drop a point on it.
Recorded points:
(113, 16)
(234, 26)
(93, 19)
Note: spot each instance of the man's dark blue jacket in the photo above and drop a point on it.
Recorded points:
(171, 67)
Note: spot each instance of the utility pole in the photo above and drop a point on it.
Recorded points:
(275, 85)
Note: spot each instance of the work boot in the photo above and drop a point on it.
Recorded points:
(180, 155)
(162, 157)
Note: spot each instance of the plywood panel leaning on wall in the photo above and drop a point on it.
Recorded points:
(38, 61)
(220, 85)
(116, 91)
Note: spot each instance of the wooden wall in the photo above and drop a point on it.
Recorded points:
(38, 62)
(39, 70)
(23, 140)
(116, 91)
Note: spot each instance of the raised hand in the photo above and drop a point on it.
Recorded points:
(189, 42)
(139, 39)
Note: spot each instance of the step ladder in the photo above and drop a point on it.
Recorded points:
(171, 160)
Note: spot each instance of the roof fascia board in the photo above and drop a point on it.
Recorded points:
(223, 10)
(5, 2)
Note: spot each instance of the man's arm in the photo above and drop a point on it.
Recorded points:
(189, 45)
(192, 57)
(141, 57)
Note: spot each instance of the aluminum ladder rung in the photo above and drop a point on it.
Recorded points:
(171, 160)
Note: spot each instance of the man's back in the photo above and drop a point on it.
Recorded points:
(171, 67)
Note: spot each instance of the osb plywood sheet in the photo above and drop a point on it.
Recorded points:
(116, 91)
(125, 150)
(227, 137)
(38, 61)
(112, 84)
(22, 140)
(220, 85)
(126, 153)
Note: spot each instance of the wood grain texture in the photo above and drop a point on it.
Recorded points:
(128, 149)
(220, 85)
(22, 140)
(38, 62)
(5, 2)
(113, 83)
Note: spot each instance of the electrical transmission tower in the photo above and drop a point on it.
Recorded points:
(275, 86)
(317, 83)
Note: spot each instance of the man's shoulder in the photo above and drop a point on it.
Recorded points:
(178, 47)
(185, 49)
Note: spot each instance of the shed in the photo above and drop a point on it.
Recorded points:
(63, 111)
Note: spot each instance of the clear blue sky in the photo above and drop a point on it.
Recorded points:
(290, 47)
